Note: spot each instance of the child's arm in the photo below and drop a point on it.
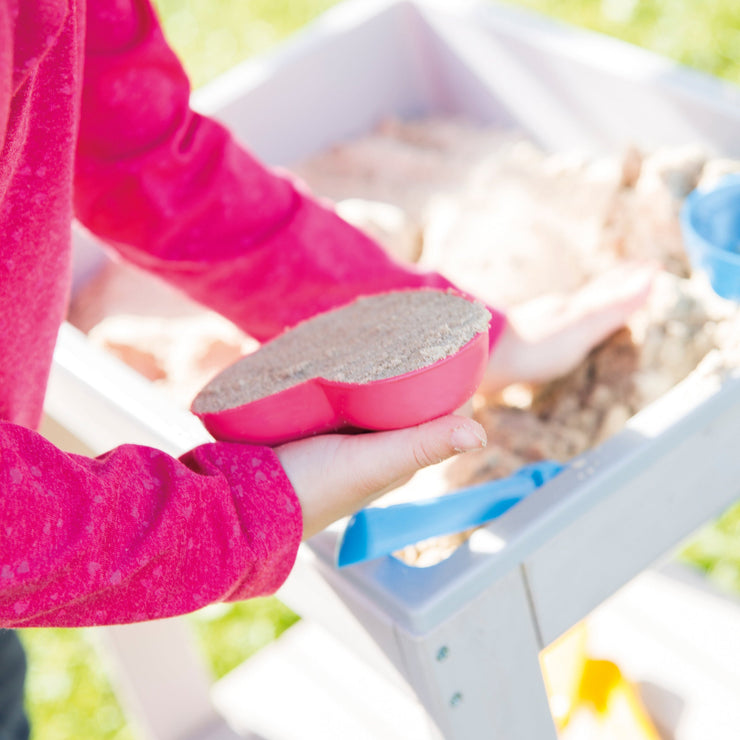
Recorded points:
(177, 195)
(137, 535)
(6, 66)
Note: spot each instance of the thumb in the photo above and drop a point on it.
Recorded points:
(383, 459)
(335, 475)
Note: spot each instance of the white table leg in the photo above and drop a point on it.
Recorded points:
(478, 674)
(161, 680)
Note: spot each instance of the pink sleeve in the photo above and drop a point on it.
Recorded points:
(177, 195)
(6, 68)
(136, 535)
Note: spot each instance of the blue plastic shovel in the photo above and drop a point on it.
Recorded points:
(375, 532)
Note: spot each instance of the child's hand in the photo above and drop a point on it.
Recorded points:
(549, 336)
(334, 475)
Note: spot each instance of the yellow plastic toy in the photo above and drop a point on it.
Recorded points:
(591, 698)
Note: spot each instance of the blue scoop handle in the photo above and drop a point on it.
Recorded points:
(374, 532)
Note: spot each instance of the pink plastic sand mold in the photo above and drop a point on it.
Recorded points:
(319, 406)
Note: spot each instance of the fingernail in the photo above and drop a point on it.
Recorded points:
(466, 438)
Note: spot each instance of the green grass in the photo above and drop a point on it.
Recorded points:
(229, 634)
(69, 695)
(716, 551)
(213, 35)
(704, 35)
(210, 36)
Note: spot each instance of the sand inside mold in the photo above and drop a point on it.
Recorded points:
(373, 338)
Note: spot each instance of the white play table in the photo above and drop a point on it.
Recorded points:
(463, 637)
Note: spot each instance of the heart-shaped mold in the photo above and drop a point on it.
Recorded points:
(381, 362)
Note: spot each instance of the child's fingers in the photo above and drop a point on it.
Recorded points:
(610, 298)
(625, 287)
(380, 460)
(335, 475)
(606, 306)
(549, 336)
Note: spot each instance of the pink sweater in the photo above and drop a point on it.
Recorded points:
(136, 534)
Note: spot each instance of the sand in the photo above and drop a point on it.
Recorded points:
(373, 338)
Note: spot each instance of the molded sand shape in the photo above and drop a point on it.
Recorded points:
(382, 362)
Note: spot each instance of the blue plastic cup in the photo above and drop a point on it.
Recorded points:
(710, 223)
